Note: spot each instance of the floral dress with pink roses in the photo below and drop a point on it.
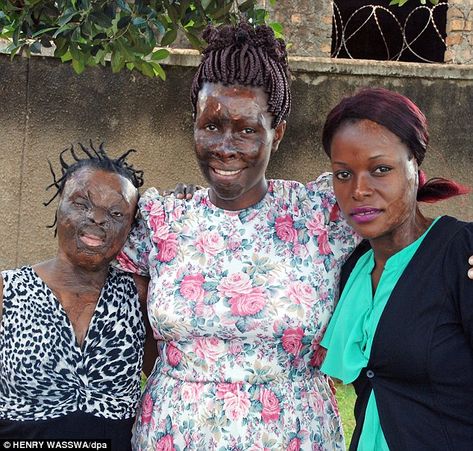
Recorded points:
(239, 301)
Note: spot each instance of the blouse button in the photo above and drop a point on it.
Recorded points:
(370, 374)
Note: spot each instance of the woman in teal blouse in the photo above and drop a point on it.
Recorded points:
(402, 331)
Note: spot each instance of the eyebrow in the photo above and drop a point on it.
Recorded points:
(375, 157)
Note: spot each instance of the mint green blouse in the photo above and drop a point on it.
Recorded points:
(350, 333)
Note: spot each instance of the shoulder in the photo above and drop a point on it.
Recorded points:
(156, 207)
(460, 235)
(322, 184)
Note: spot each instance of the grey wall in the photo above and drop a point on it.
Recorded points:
(45, 106)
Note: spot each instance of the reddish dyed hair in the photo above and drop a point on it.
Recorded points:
(400, 116)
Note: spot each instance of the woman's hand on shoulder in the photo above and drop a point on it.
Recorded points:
(183, 191)
(470, 272)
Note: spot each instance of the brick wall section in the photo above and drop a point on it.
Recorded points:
(307, 25)
(459, 32)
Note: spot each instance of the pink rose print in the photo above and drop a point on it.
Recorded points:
(209, 349)
(210, 243)
(292, 340)
(235, 401)
(191, 287)
(294, 444)
(167, 248)
(235, 284)
(156, 221)
(125, 263)
(270, 404)
(146, 409)
(173, 355)
(285, 229)
(235, 347)
(226, 387)
(301, 293)
(322, 241)
(165, 443)
(316, 224)
(248, 304)
(236, 405)
(191, 392)
(318, 356)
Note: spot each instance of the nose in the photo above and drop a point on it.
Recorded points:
(362, 188)
(97, 216)
(225, 148)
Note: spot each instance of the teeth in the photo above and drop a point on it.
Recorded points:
(220, 172)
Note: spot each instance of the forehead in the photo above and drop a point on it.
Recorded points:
(365, 131)
(89, 180)
(234, 97)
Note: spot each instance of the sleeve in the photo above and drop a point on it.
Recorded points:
(459, 286)
(135, 254)
(336, 235)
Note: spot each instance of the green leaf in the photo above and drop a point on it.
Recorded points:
(78, 66)
(245, 6)
(101, 19)
(63, 20)
(277, 28)
(158, 70)
(43, 31)
(139, 22)
(123, 22)
(117, 61)
(35, 47)
(169, 37)
(146, 69)
(160, 54)
(123, 5)
(194, 40)
(172, 11)
(223, 11)
(66, 56)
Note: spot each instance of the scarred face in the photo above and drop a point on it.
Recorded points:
(95, 215)
(234, 141)
(375, 179)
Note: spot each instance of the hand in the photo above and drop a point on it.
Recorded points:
(183, 191)
(470, 272)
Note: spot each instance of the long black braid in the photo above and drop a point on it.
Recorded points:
(95, 159)
(246, 56)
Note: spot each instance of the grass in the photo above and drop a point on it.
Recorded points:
(346, 400)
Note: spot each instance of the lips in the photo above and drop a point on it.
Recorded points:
(92, 239)
(365, 214)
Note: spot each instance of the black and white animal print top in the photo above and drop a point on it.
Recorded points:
(45, 374)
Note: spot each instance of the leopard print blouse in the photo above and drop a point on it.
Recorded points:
(44, 373)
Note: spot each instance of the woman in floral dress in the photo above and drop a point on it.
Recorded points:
(242, 275)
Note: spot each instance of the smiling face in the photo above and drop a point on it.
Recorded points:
(375, 180)
(234, 141)
(95, 215)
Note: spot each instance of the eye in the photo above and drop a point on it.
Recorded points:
(80, 203)
(342, 175)
(381, 170)
(248, 130)
(210, 127)
(117, 214)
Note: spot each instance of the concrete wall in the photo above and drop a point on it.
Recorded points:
(45, 106)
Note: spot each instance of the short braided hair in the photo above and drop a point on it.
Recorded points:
(247, 56)
(95, 159)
